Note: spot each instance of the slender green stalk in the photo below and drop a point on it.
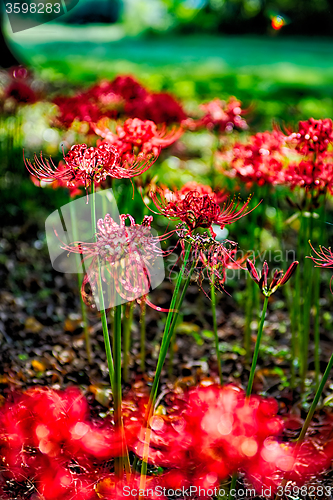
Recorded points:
(233, 486)
(168, 331)
(248, 319)
(309, 416)
(79, 264)
(316, 286)
(216, 337)
(296, 310)
(167, 335)
(307, 287)
(293, 328)
(256, 348)
(175, 318)
(315, 401)
(143, 336)
(128, 318)
(106, 336)
(114, 366)
(117, 397)
(171, 355)
(251, 296)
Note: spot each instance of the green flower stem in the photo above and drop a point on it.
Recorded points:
(296, 310)
(315, 401)
(79, 264)
(256, 348)
(167, 335)
(233, 485)
(309, 416)
(216, 337)
(120, 462)
(293, 327)
(316, 276)
(113, 365)
(175, 318)
(248, 319)
(307, 287)
(316, 273)
(106, 336)
(143, 336)
(215, 146)
(251, 296)
(128, 318)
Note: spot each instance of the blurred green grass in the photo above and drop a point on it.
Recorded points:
(285, 79)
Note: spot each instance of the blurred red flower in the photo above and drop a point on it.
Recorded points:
(260, 161)
(315, 177)
(158, 107)
(76, 108)
(220, 115)
(216, 432)
(313, 136)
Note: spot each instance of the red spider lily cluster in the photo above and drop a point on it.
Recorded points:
(212, 432)
(313, 171)
(313, 136)
(300, 159)
(113, 99)
(49, 443)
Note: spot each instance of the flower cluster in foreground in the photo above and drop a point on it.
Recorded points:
(49, 445)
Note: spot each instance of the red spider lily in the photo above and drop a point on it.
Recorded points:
(43, 433)
(76, 108)
(279, 279)
(125, 255)
(111, 488)
(209, 258)
(59, 183)
(21, 93)
(160, 108)
(16, 89)
(198, 210)
(104, 93)
(220, 260)
(202, 189)
(313, 136)
(86, 165)
(215, 432)
(260, 161)
(316, 176)
(137, 135)
(324, 258)
(279, 462)
(128, 88)
(222, 116)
